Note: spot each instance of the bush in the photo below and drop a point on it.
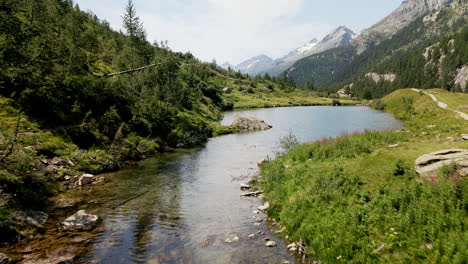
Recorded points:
(400, 168)
(336, 102)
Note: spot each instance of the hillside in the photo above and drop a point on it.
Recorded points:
(358, 199)
(67, 94)
(337, 65)
(438, 64)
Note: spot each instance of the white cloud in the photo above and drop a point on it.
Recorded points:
(227, 30)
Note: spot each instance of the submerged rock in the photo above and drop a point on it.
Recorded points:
(249, 123)
(232, 240)
(30, 218)
(429, 164)
(4, 259)
(80, 221)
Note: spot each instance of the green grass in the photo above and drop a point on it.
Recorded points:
(280, 99)
(355, 200)
(454, 102)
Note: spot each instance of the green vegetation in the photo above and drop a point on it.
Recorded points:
(353, 199)
(71, 88)
(433, 65)
(65, 93)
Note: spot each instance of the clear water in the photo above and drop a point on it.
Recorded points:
(181, 207)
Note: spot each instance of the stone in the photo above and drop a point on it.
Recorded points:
(4, 259)
(261, 162)
(81, 220)
(248, 123)
(464, 136)
(57, 161)
(431, 126)
(264, 207)
(450, 139)
(252, 236)
(258, 219)
(394, 146)
(86, 179)
(285, 262)
(232, 240)
(257, 224)
(255, 212)
(30, 218)
(270, 244)
(245, 187)
(429, 164)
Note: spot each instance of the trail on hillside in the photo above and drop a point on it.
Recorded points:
(442, 104)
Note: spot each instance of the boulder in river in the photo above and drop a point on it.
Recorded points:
(81, 220)
(248, 123)
(429, 164)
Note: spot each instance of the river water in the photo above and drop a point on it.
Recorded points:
(181, 207)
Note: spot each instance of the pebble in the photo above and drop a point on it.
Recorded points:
(232, 240)
(252, 236)
(270, 244)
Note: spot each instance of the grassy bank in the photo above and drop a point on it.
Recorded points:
(354, 199)
(281, 98)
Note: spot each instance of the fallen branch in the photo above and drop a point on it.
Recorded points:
(128, 71)
(251, 194)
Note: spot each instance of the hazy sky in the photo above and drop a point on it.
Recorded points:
(235, 30)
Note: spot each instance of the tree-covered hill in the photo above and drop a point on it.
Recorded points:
(60, 98)
(431, 66)
(333, 67)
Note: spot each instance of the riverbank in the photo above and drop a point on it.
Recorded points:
(358, 198)
(245, 100)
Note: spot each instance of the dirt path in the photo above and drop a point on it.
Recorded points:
(442, 104)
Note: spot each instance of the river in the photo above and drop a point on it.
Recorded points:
(186, 204)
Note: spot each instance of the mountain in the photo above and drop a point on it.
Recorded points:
(226, 65)
(338, 37)
(379, 41)
(254, 65)
(401, 17)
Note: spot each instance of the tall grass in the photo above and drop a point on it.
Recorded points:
(342, 220)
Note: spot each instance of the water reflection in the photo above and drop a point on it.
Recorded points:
(181, 207)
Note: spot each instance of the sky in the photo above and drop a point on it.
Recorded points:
(236, 30)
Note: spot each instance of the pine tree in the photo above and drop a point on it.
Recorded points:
(135, 31)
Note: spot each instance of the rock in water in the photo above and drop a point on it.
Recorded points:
(86, 179)
(4, 259)
(232, 240)
(30, 218)
(80, 221)
(248, 123)
(270, 244)
(264, 207)
(429, 164)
